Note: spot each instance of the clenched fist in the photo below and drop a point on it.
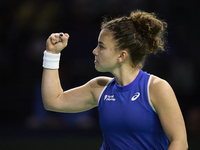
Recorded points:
(56, 42)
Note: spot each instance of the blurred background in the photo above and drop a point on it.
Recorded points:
(24, 27)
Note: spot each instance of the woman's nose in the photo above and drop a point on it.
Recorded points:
(95, 51)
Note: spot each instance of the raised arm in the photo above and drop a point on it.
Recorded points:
(74, 100)
(169, 113)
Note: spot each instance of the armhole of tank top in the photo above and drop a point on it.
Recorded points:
(104, 90)
(149, 95)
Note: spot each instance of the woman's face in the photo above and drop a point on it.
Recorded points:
(106, 55)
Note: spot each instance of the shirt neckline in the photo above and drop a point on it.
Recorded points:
(129, 86)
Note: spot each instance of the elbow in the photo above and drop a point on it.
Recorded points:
(52, 106)
(183, 145)
(186, 146)
(48, 107)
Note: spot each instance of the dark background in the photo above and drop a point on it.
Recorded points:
(24, 27)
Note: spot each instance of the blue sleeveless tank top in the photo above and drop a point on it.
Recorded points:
(127, 119)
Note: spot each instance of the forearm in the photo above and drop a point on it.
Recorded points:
(51, 87)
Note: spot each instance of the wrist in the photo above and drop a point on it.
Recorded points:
(52, 52)
(51, 60)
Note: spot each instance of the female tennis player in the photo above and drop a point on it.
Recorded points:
(137, 110)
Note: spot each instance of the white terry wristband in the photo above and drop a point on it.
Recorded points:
(51, 61)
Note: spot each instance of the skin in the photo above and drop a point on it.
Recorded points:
(108, 59)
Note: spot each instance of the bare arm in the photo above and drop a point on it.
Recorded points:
(74, 100)
(169, 113)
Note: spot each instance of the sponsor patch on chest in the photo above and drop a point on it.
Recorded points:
(109, 98)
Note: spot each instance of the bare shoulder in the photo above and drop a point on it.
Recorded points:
(160, 91)
(97, 85)
(158, 84)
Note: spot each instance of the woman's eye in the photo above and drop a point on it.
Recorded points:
(101, 47)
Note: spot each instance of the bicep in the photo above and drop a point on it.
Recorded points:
(82, 98)
(168, 110)
(75, 100)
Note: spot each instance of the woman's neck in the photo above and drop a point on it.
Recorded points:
(125, 75)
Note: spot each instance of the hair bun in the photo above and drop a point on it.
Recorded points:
(150, 28)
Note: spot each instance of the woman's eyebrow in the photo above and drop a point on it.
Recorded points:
(100, 43)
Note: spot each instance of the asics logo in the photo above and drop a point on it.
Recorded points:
(137, 94)
(109, 98)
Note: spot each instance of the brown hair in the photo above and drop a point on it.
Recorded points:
(140, 33)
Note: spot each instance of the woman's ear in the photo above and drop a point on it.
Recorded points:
(123, 55)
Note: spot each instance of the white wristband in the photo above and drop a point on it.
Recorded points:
(51, 61)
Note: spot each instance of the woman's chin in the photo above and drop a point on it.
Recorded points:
(99, 69)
